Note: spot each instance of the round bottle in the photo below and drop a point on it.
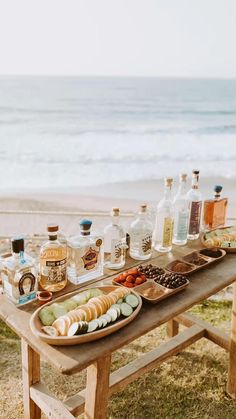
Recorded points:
(53, 262)
(141, 236)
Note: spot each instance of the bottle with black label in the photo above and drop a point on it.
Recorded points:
(19, 275)
(53, 262)
(194, 197)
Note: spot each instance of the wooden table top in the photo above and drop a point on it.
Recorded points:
(69, 360)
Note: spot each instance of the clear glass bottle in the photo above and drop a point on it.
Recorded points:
(53, 262)
(19, 274)
(114, 242)
(215, 210)
(163, 230)
(141, 236)
(194, 197)
(181, 212)
(85, 254)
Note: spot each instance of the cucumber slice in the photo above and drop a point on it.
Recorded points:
(120, 301)
(117, 308)
(80, 298)
(103, 320)
(107, 317)
(58, 309)
(100, 323)
(132, 300)
(77, 328)
(113, 313)
(92, 326)
(94, 292)
(47, 316)
(50, 330)
(69, 304)
(126, 309)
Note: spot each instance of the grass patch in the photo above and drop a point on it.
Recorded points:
(190, 385)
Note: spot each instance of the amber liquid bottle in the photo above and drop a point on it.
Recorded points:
(215, 210)
(53, 262)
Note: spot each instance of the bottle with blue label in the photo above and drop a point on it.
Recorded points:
(181, 211)
(19, 274)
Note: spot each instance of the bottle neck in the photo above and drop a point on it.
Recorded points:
(167, 193)
(195, 182)
(115, 219)
(19, 257)
(182, 188)
(52, 237)
(217, 195)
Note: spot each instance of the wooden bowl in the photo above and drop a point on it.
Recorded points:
(36, 324)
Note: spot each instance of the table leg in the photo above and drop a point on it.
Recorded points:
(30, 375)
(97, 389)
(172, 328)
(231, 387)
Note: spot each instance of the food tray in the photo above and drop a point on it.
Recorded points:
(163, 291)
(36, 324)
(192, 266)
(226, 236)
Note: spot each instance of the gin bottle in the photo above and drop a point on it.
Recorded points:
(85, 254)
(215, 210)
(163, 231)
(141, 236)
(194, 197)
(53, 262)
(181, 213)
(114, 242)
(19, 274)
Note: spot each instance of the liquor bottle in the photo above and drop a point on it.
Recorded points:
(53, 262)
(19, 274)
(194, 197)
(141, 236)
(181, 213)
(163, 231)
(114, 242)
(215, 210)
(85, 254)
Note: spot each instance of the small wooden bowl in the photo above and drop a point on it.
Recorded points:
(44, 297)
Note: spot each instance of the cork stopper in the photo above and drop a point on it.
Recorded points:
(168, 182)
(17, 244)
(196, 172)
(85, 226)
(115, 212)
(183, 177)
(52, 228)
(143, 208)
(218, 189)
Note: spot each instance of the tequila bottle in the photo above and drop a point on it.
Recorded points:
(114, 242)
(194, 197)
(53, 262)
(85, 254)
(181, 213)
(215, 210)
(163, 231)
(19, 274)
(141, 236)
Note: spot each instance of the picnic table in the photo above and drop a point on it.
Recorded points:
(96, 356)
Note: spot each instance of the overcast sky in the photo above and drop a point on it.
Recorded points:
(118, 37)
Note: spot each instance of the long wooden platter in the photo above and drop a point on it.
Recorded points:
(36, 325)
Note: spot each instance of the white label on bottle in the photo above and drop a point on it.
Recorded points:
(116, 251)
(182, 226)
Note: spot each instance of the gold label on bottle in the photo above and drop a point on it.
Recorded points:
(167, 232)
(195, 217)
(90, 258)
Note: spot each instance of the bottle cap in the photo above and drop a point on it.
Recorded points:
(196, 172)
(183, 177)
(85, 225)
(17, 244)
(143, 207)
(52, 228)
(168, 181)
(115, 211)
(218, 188)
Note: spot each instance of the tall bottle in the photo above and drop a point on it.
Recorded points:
(114, 242)
(53, 262)
(195, 207)
(215, 210)
(141, 236)
(181, 212)
(163, 231)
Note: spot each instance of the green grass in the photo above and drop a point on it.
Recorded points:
(190, 385)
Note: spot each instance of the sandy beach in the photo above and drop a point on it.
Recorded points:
(88, 200)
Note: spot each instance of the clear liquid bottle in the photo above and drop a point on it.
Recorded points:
(194, 197)
(85, 254)
(141, 236)
(114, 242)
(181, 213)
(163, 231)
(53, 262)
(19, 274)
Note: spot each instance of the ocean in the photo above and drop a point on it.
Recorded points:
(62, 132)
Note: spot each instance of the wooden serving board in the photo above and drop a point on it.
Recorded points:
(228, 249)
(36, 325)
